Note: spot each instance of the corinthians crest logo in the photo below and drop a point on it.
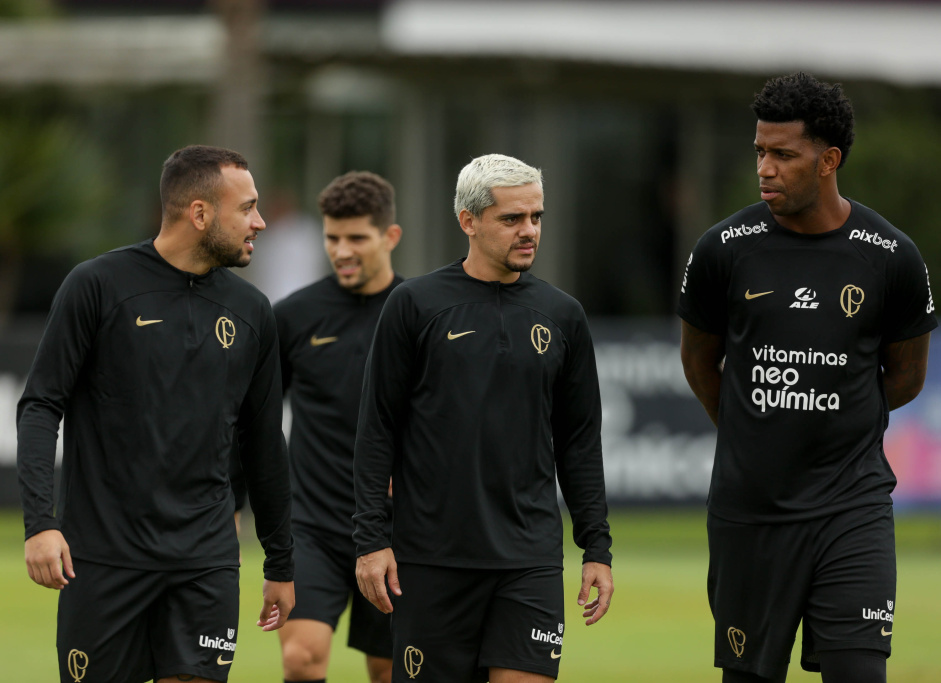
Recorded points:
(540, 336)
(737, 641)
(78, 665)
(413, 661)
(851, 298)
(225, 332)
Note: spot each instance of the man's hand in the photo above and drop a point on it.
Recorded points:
(371, 573)
(597, 575)
(47, 554)
(279, 601)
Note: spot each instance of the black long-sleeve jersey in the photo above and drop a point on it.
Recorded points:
(161, 375)
(324, 331)
(805, 318)
(476, 395)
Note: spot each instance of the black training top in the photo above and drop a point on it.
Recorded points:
(325, 332)
(802, 408)
(161, 375)
(476, 395)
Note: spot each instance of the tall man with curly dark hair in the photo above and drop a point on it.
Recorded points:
(806, 319)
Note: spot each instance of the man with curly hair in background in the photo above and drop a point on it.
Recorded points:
(325, 330)
(806, 319)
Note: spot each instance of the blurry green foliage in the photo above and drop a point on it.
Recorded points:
(17, 9)
(54, 184)
(891, 169)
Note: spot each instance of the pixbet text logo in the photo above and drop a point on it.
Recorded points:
(874, 238)
(731, 233)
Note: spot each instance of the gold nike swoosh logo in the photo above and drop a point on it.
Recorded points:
(554, 655)
(749, 295)
(223, 662)
(315, 341)
(886, 633)
(455, 336)
(141, 323)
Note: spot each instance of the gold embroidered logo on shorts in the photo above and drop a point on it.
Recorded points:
(78, 664)
(413, 661)
(540, 336)
(851, 298)
(225, 332)
(737, 641)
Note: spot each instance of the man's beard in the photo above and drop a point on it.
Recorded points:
(520, 267)
(214, 249)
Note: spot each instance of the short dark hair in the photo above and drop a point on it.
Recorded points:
(826, 112)
(191, 173)
(359, 193)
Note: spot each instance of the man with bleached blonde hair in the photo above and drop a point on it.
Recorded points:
(480, 386)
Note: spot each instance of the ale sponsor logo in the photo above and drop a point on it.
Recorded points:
(805, 298)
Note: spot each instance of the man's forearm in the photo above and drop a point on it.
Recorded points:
(904, 367)
(705, 383)
(703, 354)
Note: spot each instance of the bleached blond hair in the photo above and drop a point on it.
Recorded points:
(476, 181)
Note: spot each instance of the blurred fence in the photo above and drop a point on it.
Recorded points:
(658, 442)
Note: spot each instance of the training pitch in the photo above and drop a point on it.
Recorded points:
(658, 630)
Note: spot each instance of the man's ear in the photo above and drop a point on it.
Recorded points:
(393, 234)
(201, 213)
(466, 219)
(830, 161)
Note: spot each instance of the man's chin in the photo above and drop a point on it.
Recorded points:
(520, 266)
(351, 284)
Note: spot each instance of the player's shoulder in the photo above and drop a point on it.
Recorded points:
(742, 229)
(551, 298)
(431, 288)
(876, 238)
(115, 266)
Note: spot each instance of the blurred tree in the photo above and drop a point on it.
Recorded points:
(16, 9)
(891, 169)
(54, 185)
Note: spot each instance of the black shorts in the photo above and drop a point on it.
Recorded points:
(120, 625)
(454, 624)
(836, 573)
(325, 581)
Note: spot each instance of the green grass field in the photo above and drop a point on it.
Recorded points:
(659, 628)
